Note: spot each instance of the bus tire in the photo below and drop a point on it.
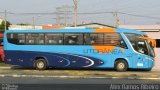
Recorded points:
(40, 64)
(121, 65)
(1, 59)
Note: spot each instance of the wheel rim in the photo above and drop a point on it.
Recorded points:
(40, 64)
(121, 66)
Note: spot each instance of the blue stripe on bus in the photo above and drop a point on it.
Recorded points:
(26, 58)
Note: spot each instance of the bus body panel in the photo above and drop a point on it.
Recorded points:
(77, 56)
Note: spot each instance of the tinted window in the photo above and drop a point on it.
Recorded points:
(66, 39)
(16, 38)
(53, 39)
(21, 38)
(34, 38)
(110, 39)
(97, 39)
(73, 39)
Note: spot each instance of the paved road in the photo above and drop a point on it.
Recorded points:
(74, 84)
(29, 79)
(73, 81)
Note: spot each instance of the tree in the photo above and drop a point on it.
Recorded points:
(24, 24)
(2, 26)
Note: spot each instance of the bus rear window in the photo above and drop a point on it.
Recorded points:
(16, 38)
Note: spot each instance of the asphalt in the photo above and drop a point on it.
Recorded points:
(9, 83)
(18, 78)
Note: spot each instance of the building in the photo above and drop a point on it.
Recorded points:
(30, 27)
(48, 27)
(94, 25)
(152, 31)
(24, 27)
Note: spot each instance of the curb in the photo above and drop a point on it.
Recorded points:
(5, 67)
(78, 77)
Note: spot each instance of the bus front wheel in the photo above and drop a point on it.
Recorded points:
(40, 64)
(121, 65)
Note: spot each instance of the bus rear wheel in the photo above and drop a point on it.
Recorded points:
(40, 64)
(121, 65)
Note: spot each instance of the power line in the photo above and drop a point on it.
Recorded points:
(82, 13)
(139, 15)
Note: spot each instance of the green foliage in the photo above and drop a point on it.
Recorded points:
(2, 26)
(23, 24)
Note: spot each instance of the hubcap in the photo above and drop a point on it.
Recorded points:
(121, 65)
(40, 64)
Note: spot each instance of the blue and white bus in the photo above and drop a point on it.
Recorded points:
(93, 48)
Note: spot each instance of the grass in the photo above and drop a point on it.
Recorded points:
(2, 64)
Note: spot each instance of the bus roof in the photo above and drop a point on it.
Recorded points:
(78, 30)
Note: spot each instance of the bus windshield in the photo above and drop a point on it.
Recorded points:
(141, 45)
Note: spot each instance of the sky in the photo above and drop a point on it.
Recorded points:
(136, 11)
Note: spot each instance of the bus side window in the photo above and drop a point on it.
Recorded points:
(112, 39)
(73, 39)
(35, 38)
(40, 39)
(30, 39)
(21, 38)
(88, 40)
(54, 39)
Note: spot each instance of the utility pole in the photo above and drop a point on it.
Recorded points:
(124, 21)
(62, 15)
(116, 19)
(58, 15)
(66, 15)
(66, 10)
(33, 22)
(5, 20)
(75, 12)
